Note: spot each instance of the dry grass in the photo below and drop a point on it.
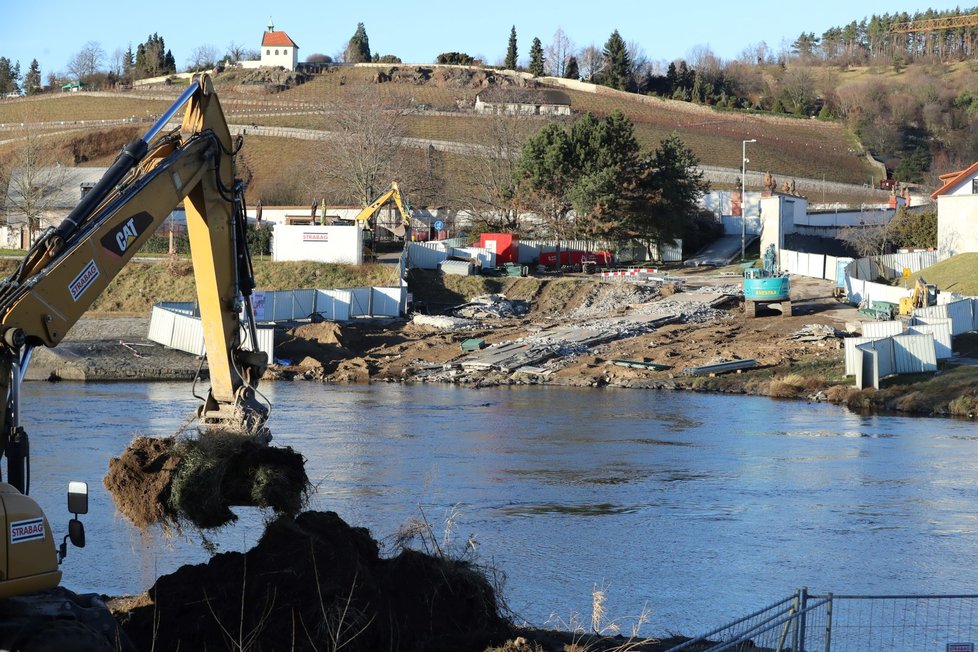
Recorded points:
(788, 147)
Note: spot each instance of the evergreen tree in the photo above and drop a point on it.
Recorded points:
(128, 63)
(32, 80)
(672, 79)
(536, 58)
(358, 49)
(511, 57)
(583, 168)
(153, 59)
(617, 64)
(664, 197)
(573, 70)
(9, 75)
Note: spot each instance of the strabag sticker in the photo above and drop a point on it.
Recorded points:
(29, 530)
(85, 278)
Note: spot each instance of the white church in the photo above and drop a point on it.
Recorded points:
(277, 50)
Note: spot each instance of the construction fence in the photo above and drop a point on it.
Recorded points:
(177, 325)
(807, 622)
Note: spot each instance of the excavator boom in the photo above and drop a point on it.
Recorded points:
(68, 267)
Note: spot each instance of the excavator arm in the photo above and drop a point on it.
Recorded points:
(69, 266)
(363, 217)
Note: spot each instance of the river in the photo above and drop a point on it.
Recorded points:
(699, 507)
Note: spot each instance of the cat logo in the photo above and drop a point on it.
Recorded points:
(124, 236)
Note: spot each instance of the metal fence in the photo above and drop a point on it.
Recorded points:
(808, 622)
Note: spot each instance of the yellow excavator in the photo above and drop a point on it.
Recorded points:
(70, 265)
(924, 294)
(403, 207)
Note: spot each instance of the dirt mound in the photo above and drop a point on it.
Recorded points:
(314, 582)
(175, 481)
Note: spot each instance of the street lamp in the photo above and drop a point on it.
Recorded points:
(743, 197)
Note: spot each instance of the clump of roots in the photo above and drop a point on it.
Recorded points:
(181, 480)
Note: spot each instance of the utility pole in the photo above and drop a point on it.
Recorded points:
(743, 198)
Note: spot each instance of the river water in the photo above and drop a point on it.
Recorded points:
(700, 507)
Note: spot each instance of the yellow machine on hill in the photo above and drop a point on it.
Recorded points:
(69, 266)
(924, 294)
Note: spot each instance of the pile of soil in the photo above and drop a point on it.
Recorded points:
(175, 481)
(322, 351)
(313, 582)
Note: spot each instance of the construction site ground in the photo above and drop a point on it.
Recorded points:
(569, 330)
(565, 331)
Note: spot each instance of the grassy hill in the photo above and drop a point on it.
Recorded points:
(956, 274)
(280, 172)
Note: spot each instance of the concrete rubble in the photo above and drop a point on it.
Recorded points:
(604, 315)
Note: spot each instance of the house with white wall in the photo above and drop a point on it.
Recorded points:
(957, 212)
(277, 49)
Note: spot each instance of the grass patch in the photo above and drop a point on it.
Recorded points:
(956, 274)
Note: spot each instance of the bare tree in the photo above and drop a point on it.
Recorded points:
(87, 62)
(367, 145)
(235, 52)
(490, 194)
(557, 54)
(35, 179)
(591, 61)
(756, 54)
(202, 57)
(118, 65)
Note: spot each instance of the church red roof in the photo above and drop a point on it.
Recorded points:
(277, 39)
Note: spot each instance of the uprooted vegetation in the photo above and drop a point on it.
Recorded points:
(174, 481)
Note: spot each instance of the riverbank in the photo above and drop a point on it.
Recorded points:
(575, 331)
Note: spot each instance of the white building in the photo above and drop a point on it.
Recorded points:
(523, 101)
(277, 49)
(957, 212)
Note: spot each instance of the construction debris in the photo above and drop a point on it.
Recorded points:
(814, 333)
(491, 306)
(442, 322)
(720, 367)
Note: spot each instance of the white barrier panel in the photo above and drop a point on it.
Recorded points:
(867, 366)
(334, 305)
(421, 256)
(962, 316)
(958, 312)
(184, 332)
(386, 302)
(853, 359)
(789, 261)
(914, 354)
(881, 329)
(360, 302)
(940, 330)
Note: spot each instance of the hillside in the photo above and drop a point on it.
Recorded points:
(440, 100)
(956, 274)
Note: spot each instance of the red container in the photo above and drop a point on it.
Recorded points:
(505, 245)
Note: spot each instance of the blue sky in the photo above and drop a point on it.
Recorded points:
(53, 30)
